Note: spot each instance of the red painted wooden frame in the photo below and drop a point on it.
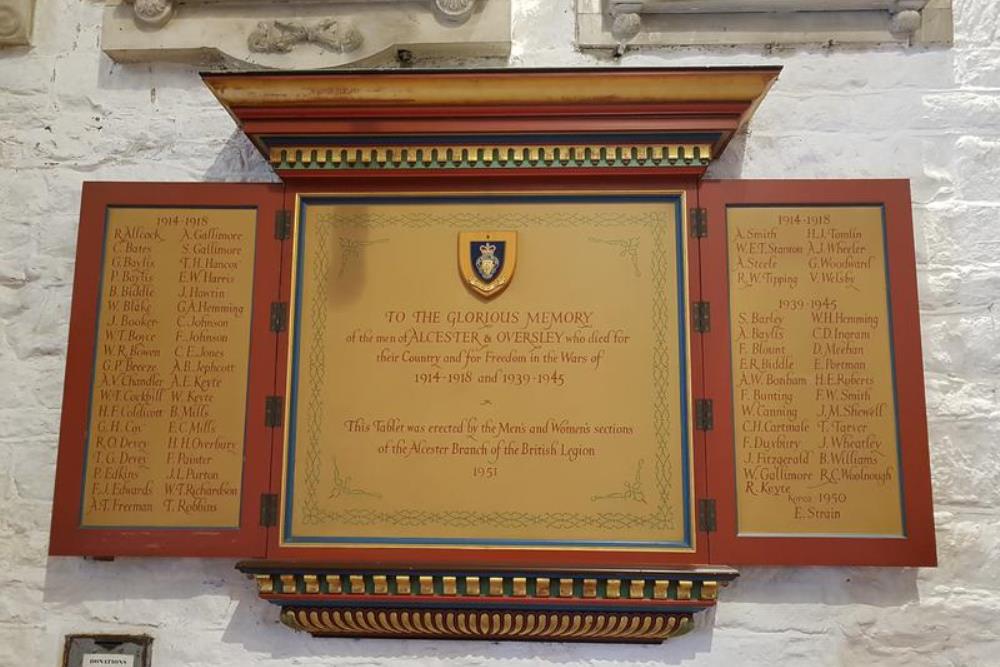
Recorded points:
(493, 557)
(67, 537)
(713, 470)
(918, 547)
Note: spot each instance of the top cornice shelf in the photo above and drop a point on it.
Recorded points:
(500, 87)
(329, 123)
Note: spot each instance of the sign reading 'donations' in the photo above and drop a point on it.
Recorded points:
(107, 651)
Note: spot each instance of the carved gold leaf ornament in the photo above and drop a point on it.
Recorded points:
(490, 156)
(517, 606)
(579, 626)
(504, 587)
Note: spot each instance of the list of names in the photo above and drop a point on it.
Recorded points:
(168, 405)
(814, 406)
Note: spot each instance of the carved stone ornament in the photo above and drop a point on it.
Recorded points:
(304, 34)
(282, 36)
(153, 13)
(16, 18)
(620, 24)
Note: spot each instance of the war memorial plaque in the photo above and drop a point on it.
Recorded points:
(494, 360)
(551, 414)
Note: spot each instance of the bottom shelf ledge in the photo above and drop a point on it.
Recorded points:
(621, 605)
(508, 624)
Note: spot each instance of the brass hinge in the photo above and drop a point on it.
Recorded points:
(279, 316)
(274, 407)
(706, 515)
(699, 222)
(704, 420)
(701, 313)
(282, 224)
(268, 509)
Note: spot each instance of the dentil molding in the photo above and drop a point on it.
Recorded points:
(621, 24)
(302, 34)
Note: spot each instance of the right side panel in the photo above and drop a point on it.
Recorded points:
(818, 453)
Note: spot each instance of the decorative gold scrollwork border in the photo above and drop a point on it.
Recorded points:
(492, 625)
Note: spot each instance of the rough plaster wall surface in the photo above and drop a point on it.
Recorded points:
(68, 114)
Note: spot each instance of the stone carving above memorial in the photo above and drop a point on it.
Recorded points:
(303, 34)
(16, 17)
(621, 24)
(282, 36)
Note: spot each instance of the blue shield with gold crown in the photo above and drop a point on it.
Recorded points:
(486, 260)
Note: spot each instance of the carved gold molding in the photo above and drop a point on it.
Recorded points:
(505, 88)
(508, 624)
(625, 120)
(620, 605)
(684, 586)
(486, 157)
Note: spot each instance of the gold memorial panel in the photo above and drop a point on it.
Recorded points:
(551, 414)
(168, 401)
(814, 397)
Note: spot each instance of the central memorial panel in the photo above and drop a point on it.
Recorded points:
(489, 371)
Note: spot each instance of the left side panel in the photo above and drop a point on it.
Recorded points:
(163, 446)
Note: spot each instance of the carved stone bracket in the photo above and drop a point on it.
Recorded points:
(621, 23)
(16, 18)
(302, 34)
(647, 606)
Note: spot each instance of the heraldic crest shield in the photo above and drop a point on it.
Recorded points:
(486, 260)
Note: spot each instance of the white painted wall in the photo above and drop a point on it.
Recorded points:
(68, 114)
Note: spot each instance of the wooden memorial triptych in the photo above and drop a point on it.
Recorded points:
(499, 328)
